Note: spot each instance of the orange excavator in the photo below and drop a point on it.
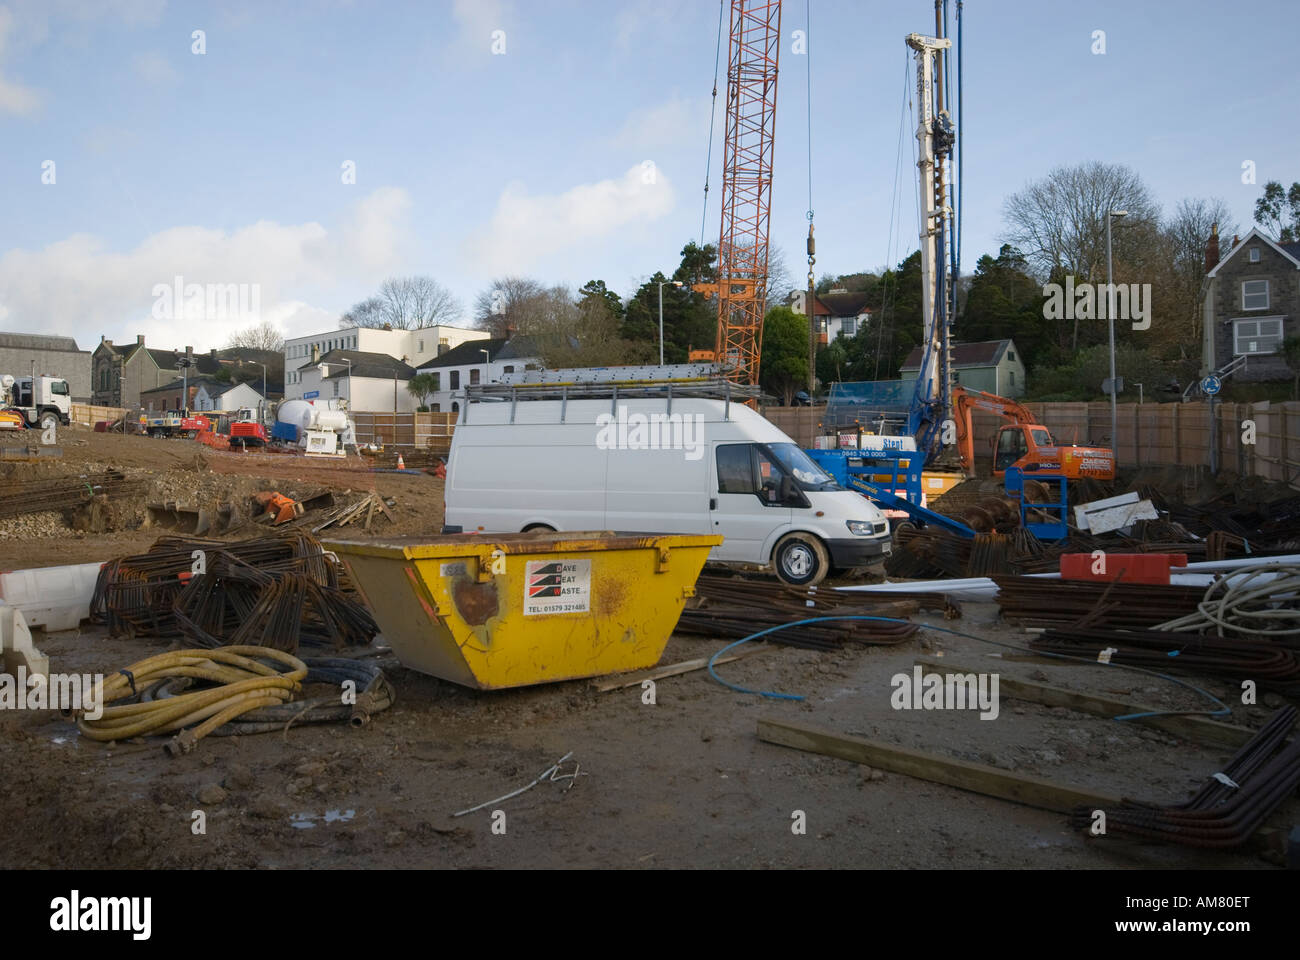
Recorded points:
(1024, 443)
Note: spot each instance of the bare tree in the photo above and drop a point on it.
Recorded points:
(406, 303)
(1187, 233)
(260, 336)
(508, 305)
(1059, 223)
(365, 313)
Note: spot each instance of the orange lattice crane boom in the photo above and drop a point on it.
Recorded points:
(741, 288)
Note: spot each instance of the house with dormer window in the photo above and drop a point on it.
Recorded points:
(1251, 304)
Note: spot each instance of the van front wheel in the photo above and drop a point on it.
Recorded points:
(800, 560)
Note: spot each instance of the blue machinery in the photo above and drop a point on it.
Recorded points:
(1056, 529)
(879, 474)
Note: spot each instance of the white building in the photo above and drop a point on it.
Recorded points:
(408, 346)
(475, 362)
(228, 397)
(370, 382)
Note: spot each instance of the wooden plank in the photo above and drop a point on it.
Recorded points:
(975, 777)
(1199, 729)
(671, 670)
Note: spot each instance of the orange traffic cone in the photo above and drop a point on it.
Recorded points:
(401, 465)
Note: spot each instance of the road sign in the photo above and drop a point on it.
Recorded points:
(1211, 385)
(311, 395)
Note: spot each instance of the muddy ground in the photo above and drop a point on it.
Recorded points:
(683, 782)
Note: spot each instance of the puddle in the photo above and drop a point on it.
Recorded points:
(305, 821)
(59, 740)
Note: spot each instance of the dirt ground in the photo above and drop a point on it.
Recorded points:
(683, 782)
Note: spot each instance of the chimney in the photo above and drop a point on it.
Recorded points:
(104, 339)
(189, 356)
(1212, 249)
(315, 353)
(139, 339)
(213, 353)
(443, 348)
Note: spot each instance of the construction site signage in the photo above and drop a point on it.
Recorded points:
(557, 586)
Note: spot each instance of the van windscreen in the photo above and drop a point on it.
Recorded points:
(798, 464)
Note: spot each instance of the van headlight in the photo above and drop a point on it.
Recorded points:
(867, 528)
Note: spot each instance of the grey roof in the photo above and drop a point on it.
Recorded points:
(36, 341)
(179, 383)
(468, 353)
(364, 364)
(1291, 248)
(845, 304)
(219, 389)
(986, 353)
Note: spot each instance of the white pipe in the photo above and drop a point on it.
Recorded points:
(1198, 574)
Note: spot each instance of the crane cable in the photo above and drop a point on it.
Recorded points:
(713, 109)
(895, 206)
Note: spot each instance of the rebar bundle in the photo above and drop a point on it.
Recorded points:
(276, 592)
(61, 493)
(1229, 806)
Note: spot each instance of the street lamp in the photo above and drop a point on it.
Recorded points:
(675, 283)
(261, 417)
(487, 361)
(1110, 320)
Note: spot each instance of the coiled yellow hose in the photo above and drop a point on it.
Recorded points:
(244, 685)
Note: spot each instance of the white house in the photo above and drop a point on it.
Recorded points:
(216, 396)
(373, 382)
(409, 346)
(475, 362)
(839, 314)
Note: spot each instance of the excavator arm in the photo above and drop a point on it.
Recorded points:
(963, 402)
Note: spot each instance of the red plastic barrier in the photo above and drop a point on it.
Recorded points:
(1150, 568)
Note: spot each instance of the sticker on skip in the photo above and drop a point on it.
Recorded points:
(557, 586)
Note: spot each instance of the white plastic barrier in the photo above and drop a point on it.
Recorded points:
(54, 598)
(16, 648)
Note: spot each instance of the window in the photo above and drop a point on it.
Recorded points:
(336, 388)
(1256, 336)
(849, 327)
(437, 408)
(509, 369)
(473, 376)
(1011, 447)
(1011, 354)
(735, 474)
(437, 382)
(419, 346)
(455, 380)
(1012, 375)
(1254, 254)
(1254, 295)
(59, 388)
(455, 408)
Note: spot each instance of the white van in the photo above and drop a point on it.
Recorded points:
(689, 465)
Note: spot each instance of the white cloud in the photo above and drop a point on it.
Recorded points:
(526, 227)
(78, 287)
(677, 121)
(477, 20)
(154, 68)
(14, 97)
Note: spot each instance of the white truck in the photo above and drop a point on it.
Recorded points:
(652, 464)
(34, 402)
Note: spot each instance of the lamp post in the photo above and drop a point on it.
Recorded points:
(487, 362)
(1110, 320)
(675, 283)
(261, 416)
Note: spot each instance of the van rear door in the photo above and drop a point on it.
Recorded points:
(745, 504)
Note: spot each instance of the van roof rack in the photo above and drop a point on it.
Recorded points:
(711, 388)
(669, 390)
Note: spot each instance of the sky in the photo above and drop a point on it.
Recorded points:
(305, 151)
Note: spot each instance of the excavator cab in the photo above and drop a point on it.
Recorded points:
(1011, 446)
